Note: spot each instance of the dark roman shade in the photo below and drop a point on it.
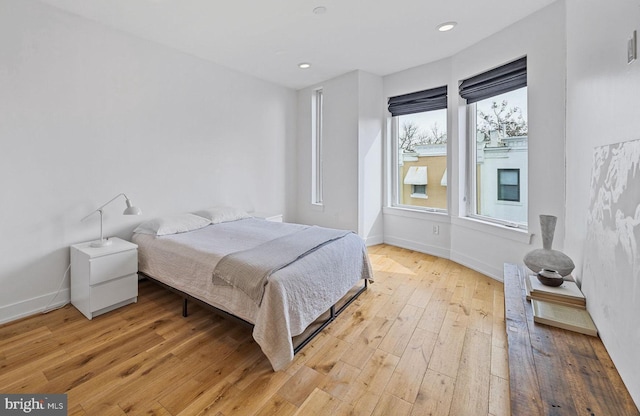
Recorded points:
(503, 79)
(417, 102)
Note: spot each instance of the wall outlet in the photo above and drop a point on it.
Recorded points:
(436, 229)
(632, 47)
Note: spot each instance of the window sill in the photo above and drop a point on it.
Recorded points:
(510, 203)
(419, 214)
(502, 231)
(317, 207)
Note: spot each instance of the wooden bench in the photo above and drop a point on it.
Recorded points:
(553, 371)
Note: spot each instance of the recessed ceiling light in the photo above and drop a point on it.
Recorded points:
(445, 27)
(304, 65)
(320, 10)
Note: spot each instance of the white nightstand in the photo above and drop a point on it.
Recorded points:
(267, 216)
(103, 278)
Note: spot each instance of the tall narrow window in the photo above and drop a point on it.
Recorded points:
(316, 165)
(419, 130)
(498, 140)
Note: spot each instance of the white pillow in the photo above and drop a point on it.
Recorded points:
(222, 214)
(172, 224)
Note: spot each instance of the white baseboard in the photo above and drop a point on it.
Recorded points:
(418, 246)
(34, 306)
(374, 240)
(479, 266)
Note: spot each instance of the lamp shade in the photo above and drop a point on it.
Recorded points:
(131, 209)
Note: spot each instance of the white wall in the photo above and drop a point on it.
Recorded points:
(541, 37)
(370, 163)
(87, 112)
(352, 141)
(414, 229)
(602, 108)
(339, 154)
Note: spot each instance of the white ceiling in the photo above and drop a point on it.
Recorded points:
(268, 39)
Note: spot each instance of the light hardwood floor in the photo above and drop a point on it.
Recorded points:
(427, 338)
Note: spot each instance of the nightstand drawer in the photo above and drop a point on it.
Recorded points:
(114, 291)
(102, 269)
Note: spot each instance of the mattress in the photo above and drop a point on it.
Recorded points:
(294, 296)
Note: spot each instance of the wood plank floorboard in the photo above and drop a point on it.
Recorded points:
(427, 338)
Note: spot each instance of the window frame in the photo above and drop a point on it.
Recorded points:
(471, 194)
(395, 164)
(417, 102)
(508, 77)
(317, 174)
(395, 176)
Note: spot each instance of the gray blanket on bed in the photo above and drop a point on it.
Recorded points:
(249, 270)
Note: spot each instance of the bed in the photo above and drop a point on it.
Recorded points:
(277, 277)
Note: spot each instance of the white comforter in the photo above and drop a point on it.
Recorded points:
(294, 296)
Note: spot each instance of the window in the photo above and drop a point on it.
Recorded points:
(419, 191)
(419, 143)
(498, 144)
(316, 148)
(417, 177)
(509, 185)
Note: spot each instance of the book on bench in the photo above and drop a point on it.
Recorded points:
(562, 316)
(568, 294)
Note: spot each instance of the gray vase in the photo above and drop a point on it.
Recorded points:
(546, 257)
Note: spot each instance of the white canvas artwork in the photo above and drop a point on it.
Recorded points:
(611, 268)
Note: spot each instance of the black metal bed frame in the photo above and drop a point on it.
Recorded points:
(333, 312)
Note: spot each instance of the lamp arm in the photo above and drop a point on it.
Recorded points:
(104, 205)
